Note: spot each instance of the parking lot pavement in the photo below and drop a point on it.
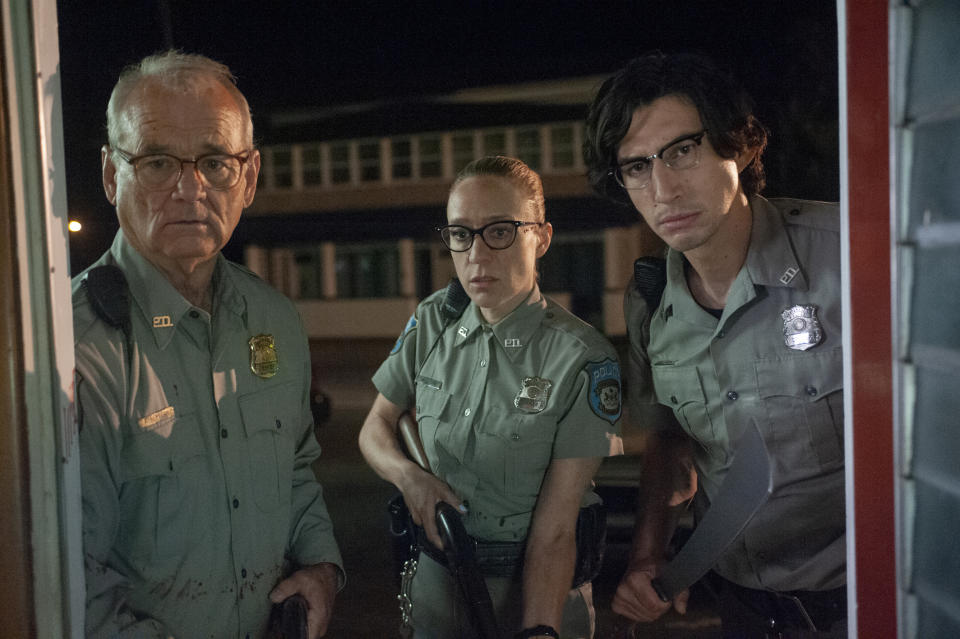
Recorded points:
(367, 606)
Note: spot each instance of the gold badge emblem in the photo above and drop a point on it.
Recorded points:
(263, 356)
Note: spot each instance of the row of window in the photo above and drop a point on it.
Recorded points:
(548, 148)
(372, 270)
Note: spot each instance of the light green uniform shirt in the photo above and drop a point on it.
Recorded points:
(496, 403)
(197, 481)
(719, 375)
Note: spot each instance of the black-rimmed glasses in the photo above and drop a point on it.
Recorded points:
(496, 235)
(681, 153)
(161, 171)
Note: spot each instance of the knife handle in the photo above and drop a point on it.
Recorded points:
(658, 588)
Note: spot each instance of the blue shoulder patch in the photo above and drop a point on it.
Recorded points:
(411, 324)
(605, 389)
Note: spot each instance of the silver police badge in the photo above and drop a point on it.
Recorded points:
(263, 356)
(534, 394)
(801, 327)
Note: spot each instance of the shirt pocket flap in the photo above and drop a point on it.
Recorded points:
(273, 409)
(150, 453)
(678, 385)
(809, 377)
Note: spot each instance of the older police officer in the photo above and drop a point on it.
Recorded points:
(193, 383)
(517, 402)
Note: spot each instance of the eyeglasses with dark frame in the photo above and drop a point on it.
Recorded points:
(161, 171)
(497, 235)
(681, 153)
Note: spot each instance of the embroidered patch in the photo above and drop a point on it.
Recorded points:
(411, 324)
(801, 327)
(263, 356)
(533, 395)
(604, 392)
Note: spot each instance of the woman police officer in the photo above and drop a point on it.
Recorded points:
(517, 402)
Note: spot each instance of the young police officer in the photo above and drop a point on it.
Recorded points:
(747, 329)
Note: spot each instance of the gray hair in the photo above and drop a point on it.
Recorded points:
(174, 69)
(512, 169)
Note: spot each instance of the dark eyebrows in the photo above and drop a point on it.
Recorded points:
(679, 138)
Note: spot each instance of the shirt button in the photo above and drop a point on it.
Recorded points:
(243, 573)
(515, 436)
(194, 314)
(732, 395)
(673, 399)
(236, 502)
(223, 433)
(466, 413)
(483, 362)
(812, 391)
(278, 424)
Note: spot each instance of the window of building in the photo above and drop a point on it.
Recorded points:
(309, 261)
(368, 152)
(368, 270)
(431, 157)
(495, 143)
(463, 152)
(562, 153)
(570, 266)
(282, 167)
(401, 151)
(528, 147)
(312, 165)
(340, 162)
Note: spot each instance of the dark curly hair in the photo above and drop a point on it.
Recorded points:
(725, 109)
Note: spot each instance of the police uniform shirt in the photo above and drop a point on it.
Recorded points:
(196, 470)
(774, 356)
(496, 403)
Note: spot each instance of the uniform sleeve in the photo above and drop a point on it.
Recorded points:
(99, 389)
(311, 530)
(394, 378)
(591, 425)
(644, 411)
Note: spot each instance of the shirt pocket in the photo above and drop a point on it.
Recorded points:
(158, 503)
(514, 450)
(271, 423)
(681, 388)
(805, 393)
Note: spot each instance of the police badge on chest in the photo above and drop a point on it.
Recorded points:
(533, 395)
(801, 327)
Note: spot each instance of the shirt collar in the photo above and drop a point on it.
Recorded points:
(771, 260)
(162, 305)
(514, 331)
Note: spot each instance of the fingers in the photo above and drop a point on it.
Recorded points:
(636, 599)
(680, 602)
(318, 586)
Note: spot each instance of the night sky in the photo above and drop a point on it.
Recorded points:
(301, 54)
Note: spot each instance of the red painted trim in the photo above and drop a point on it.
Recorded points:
(870, 331)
